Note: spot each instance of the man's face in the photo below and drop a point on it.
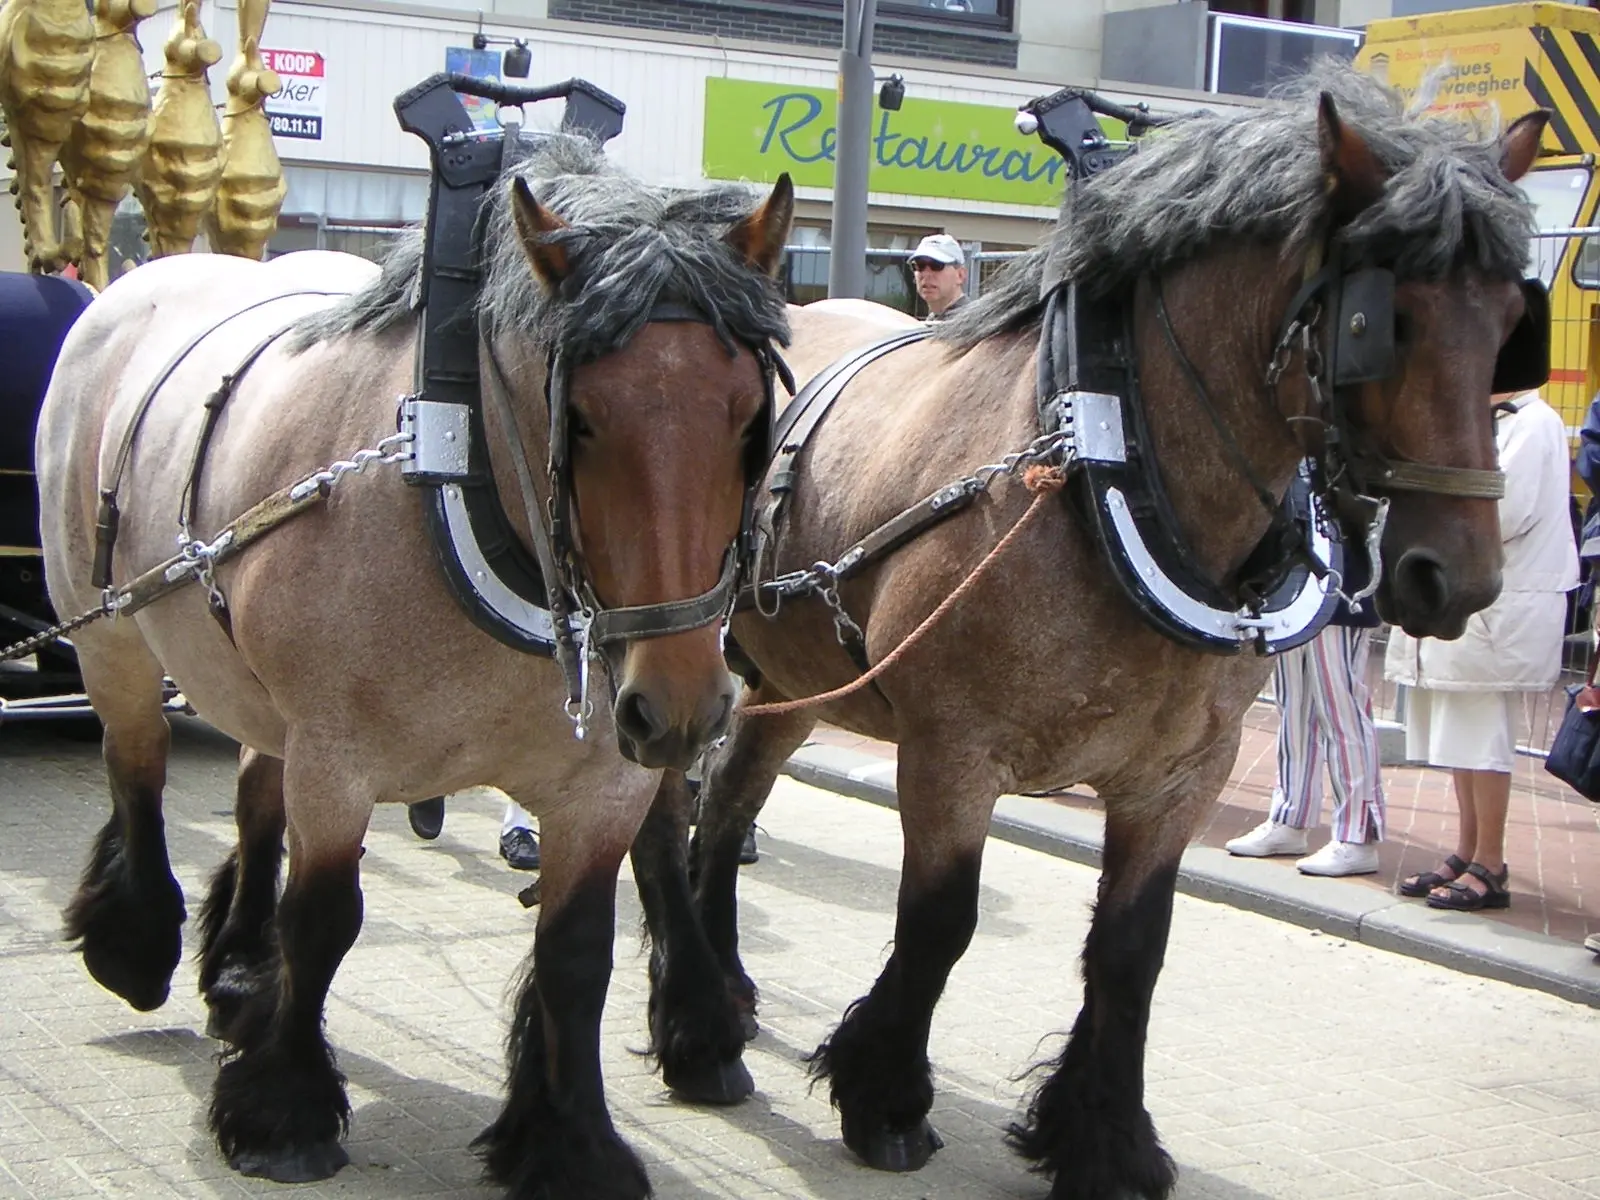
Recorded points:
(938, 283)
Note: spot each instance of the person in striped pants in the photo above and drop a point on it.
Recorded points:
(1325, 718)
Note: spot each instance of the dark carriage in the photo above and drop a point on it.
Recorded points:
(36, 311)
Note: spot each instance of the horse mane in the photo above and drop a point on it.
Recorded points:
(1257, 177)
(628, 244)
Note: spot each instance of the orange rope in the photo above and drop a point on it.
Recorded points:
(1043, 482)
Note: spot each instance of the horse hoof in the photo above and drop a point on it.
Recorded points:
(721, 1084)
(135, 984)
(883, 1150)
(292, 1164)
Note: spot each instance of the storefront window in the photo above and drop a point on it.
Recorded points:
(805, 269)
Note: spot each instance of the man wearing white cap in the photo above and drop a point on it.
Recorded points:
(940, 269)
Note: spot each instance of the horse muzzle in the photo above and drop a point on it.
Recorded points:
(649, 733)
(1426, 599)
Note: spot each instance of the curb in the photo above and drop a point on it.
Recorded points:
(1460, 941)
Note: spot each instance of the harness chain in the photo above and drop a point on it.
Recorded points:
(197, 560)
(1044, 482)
(822, 579)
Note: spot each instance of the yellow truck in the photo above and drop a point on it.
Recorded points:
(1514, 58)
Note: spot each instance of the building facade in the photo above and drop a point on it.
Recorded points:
(716, 90)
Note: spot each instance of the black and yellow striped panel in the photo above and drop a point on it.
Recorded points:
(1567, 82)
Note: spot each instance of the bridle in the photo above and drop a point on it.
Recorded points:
(585, 628)
(1357, 346)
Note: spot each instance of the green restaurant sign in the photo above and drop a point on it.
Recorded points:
(928, 148)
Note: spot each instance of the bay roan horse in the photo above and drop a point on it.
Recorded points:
(1044, 674)
(350, 675)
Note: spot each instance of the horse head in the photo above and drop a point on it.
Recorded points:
(659, 429)
(1426, 429)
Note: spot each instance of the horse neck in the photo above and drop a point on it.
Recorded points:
(1225, 311)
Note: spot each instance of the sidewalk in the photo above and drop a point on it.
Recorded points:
(1552, 845)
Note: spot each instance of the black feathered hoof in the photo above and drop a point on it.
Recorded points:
(236, 1003)
(144, 984)
(292, 1164)
(721, 1083)
(883, 1150)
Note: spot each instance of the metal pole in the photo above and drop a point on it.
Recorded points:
(847, 258)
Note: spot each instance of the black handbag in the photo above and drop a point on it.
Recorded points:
(1574, 756)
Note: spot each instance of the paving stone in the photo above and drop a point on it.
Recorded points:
(1281, 1066)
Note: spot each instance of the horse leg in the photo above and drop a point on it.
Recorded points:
(738, 780)
(876, 1061)
(127, 914)
(554, 1137)
(1087, 1123)
(278, 1107)
(695, 1029)
(237, 952)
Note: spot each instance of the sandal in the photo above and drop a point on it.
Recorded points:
(1461, 897)
(1421, 885)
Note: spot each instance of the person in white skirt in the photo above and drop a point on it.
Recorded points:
(1465, 698)
(1325, 717)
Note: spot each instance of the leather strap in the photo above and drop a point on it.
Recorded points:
(1466, 482)
(674, 616)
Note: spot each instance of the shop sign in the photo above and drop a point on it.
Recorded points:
(1468, 74)
(298, 108)
(480, 64)
(937, 148)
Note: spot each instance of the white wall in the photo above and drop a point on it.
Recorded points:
(1060, 39)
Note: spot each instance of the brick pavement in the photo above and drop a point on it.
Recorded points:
(1283, 1065)
(1552, 835)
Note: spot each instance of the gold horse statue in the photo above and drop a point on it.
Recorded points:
(102, 158)
(46, 50)
(183, 163)
(252, 188)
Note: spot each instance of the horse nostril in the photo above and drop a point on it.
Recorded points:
(1420, 579)
(637, 718)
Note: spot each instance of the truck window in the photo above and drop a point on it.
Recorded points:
(1557, 194)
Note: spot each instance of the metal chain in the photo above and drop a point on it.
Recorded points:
(385, 452)
(822, 578)
(44, 638)
(198, 558)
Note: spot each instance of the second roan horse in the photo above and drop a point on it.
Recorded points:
(1045, 675)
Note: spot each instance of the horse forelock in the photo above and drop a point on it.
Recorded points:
(629, 245)
(1258, 177)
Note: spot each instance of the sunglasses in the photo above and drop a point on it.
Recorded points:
(927, 264)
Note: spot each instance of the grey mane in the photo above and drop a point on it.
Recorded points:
(1258, 178)
(629, 244)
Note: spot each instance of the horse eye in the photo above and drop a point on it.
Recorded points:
(579, 427)
(1402, 329)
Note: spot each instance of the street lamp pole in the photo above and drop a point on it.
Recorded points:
(847, 257)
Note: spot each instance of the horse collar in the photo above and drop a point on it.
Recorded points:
(1088, 389)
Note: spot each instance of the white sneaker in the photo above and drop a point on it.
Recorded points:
(1268, 839)
(1342, 858)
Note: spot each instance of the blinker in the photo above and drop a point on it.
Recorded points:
(1524, 361)
(1364, 349)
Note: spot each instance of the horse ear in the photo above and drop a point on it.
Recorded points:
(534, 224)
(1354, 177)
(759, 238)
(1519, 145)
